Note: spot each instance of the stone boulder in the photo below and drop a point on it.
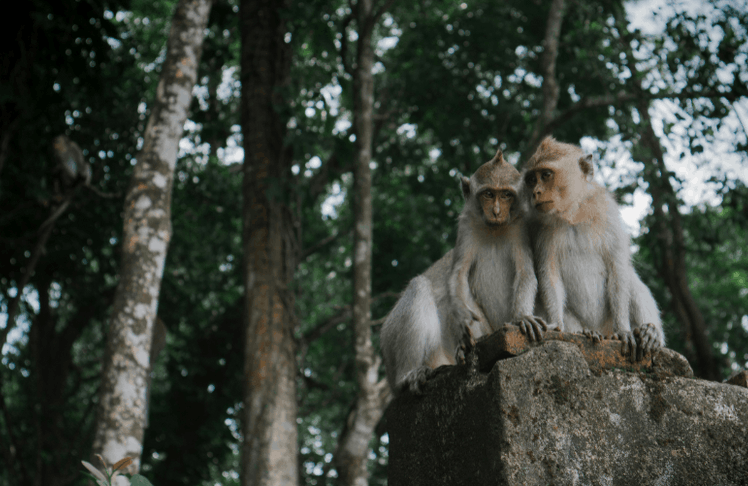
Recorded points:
(567, 411)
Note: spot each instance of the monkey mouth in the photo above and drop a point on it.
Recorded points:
(544, 206)
(494, 222)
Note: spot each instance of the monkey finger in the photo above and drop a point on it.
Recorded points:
(592, 335)
(634, 349)
(540, 322)
(526, 330)
(653, 337)
(460, 354)
(537, 327)
(625, 343)
(649, 342)
(534, 328)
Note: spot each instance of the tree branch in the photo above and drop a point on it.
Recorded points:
(318, 246)
(624, 97)
(378, 14)
(44, 231)
(550, 84)
(344, 43)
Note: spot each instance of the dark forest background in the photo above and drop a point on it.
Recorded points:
(452, 83)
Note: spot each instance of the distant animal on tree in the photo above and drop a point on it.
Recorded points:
(71, 165)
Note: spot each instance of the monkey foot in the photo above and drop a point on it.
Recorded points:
(533, 327)
(629, 346)
(415, 380)
(594, 336)
(647, 339)
(467, 344)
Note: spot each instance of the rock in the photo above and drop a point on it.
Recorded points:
(547, 416)
(606, 354)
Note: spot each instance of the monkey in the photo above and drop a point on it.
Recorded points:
(586, 280)
(486, 281)
(71, 164)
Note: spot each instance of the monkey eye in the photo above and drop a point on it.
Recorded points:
(530, 180)
(507, 195)
(546, 175)
(487, 194)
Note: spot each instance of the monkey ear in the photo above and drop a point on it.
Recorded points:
(465, 184)
(585, 163)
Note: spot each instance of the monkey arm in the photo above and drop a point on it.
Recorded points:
(619, 295)
(465, 315)
(620, 280)
(645, 318)
(464, 306)
(525, 281)
(525, 291)
(550, 283)
(619, 290)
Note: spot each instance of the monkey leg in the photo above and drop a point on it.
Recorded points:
(647, 339)
(533, 327)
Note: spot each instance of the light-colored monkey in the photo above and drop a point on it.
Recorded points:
(487, 280)
(586, 280)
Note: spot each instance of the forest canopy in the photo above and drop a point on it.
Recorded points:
(656, 92)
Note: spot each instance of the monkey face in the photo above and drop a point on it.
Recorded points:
(544, 187)
(496, 205)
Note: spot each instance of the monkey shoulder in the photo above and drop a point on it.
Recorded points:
(440, 267)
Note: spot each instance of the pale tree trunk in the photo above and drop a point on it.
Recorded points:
(122, 410)
(269, 448)
(550, 84)
(351, 457)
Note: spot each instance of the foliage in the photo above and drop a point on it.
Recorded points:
(106, 475)
(454, 81)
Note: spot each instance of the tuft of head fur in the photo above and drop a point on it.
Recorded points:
(551, 150)
(495, 172)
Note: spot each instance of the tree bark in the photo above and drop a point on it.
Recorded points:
(269, 448)
(147, 231)
(351, 457)
(550, 84)
(672, 255)
(669, 231)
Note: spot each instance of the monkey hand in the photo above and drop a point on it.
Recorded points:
(628, 344)
(533, 327)
(595, 336)
(415, 379)
(647, 340)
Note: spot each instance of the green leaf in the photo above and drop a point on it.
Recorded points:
(138, 480)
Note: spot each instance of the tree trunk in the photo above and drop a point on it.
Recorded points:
(669, 230)
(147, 231)
(351, 457)
(269, 448)
(550, 84)
(672, 256)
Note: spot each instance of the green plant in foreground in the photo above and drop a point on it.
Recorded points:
(105, 476)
